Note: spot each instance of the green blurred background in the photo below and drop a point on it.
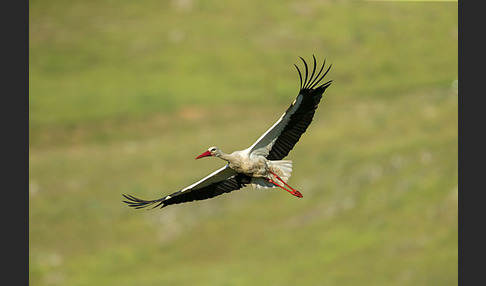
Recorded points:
(124, 95)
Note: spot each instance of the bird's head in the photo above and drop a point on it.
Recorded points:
(212, 151)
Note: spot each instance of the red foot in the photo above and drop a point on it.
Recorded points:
(292, 191)
(297, 194)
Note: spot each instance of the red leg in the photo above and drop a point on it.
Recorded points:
(292, 190)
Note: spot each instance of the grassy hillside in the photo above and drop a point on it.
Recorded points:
(124, 95)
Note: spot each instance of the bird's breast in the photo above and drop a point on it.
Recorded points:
(251, 167)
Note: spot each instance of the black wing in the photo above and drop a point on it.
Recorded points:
(221, 181)
(278, 141)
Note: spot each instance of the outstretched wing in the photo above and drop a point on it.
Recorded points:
(223, 180)
(278, 141)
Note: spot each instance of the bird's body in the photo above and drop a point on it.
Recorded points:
(244, 162)
(261, 164)
(254, 165)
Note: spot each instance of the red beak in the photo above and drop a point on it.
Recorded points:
(205, 154)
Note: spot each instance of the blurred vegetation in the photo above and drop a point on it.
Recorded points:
(124, 95)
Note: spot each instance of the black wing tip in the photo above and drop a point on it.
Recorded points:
(312, 82)
(137, 203)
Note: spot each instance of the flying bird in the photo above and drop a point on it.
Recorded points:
(261, 164)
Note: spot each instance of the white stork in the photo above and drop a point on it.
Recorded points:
(261, 164)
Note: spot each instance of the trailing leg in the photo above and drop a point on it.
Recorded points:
(292, 190)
